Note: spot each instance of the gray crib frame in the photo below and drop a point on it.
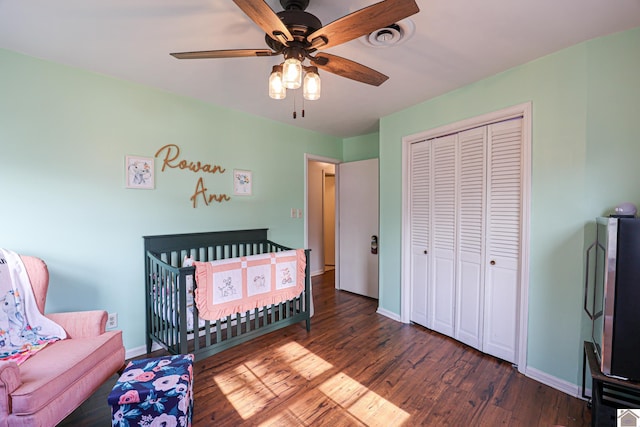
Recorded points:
(163, 255)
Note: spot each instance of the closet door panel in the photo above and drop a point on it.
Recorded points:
(470, 232)
(444, 234)
(504, 223)
(501, 312)
(419, 194)
(469, 307)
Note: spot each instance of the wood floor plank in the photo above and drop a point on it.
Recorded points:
(358, 368)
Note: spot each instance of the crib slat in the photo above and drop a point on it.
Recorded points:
(229, 329)
(207, 328)
(256, 318)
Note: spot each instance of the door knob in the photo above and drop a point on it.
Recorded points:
(493, 262)
(426, 251)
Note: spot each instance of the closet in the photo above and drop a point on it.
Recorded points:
(465, 218)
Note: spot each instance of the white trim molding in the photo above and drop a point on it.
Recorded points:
(390, 314)
(564, 386)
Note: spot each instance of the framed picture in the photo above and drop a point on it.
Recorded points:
(139, 172)
(242, 182)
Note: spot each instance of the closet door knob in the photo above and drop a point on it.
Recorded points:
(426, 252)
(493, 262)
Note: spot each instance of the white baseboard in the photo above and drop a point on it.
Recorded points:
(554, 382)
(317, 272)
(388, 314)
(139, 351)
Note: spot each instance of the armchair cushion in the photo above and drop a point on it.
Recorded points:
(67, 362)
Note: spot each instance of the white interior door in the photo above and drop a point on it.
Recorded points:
(358, 224)
(444, 234)
(420, 220)
(504, 222)
(470, 230)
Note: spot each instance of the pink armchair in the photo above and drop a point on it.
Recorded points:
(55, 381)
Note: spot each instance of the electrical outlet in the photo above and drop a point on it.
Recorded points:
(112, 320)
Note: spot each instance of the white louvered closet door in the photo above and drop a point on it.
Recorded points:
(420, 193)
(466, 210)
(443, 226)
(470, 232)
(504, 221)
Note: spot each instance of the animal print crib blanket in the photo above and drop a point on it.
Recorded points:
(23, 329)
(235, 285)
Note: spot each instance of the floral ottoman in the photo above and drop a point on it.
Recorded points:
(155, 391)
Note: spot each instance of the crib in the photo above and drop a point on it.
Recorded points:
(172, 319)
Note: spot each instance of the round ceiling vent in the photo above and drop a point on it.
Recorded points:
(391, 35)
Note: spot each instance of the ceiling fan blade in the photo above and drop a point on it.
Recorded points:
(349, 69)
(260, 13)
(231, 53)
(362, 22)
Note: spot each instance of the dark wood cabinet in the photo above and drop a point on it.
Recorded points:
(607, 393)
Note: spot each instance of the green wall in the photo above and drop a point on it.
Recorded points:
(585, 144)
(362, 147)
(64, 135)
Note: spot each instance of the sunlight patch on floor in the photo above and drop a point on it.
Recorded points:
(311, 409)
(340, 399)
(365, 405)
(247, 393)
(308, 364)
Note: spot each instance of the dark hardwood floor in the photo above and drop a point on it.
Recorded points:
(358, 368)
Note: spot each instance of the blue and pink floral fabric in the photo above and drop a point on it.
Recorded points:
(23, 329)
(154, 392)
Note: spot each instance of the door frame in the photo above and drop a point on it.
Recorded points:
(520, 110)
(314, 158)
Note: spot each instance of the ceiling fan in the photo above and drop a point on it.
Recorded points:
(298, 35)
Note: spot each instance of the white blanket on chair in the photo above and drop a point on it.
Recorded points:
(23, 329)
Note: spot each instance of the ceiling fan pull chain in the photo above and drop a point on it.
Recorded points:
(294, 106)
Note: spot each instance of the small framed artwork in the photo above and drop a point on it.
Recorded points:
(139, 171)
(242, 182)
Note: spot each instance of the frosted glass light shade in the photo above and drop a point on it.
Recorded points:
(276, 86)
(292, 73)
(311, 90)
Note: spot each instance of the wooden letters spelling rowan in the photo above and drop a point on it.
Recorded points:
(171, 160)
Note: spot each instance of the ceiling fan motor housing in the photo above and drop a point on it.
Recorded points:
(294, 4)
(300, 25)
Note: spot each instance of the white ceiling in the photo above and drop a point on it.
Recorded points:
(455, 43)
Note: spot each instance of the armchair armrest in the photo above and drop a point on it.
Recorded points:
(79, 324)
(9, 381)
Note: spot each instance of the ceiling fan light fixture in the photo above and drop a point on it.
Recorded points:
(276, 86)
(312, 84)
(292, 73)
